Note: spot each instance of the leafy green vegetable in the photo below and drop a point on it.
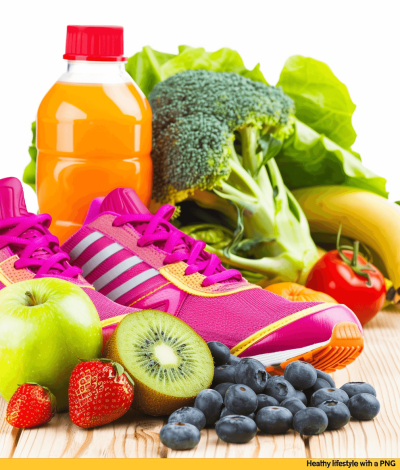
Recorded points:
(145, 66)
(322, 100)
(149, 67)
(210, 144)
(311, 159)
(319, 151)
(29, 176)
(216, 236)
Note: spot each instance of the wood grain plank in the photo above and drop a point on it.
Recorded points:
(262, 446)
(8, 435)
(133, 435)
(378, 365)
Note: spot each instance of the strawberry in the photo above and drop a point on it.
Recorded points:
(30, 406)
(99, 392)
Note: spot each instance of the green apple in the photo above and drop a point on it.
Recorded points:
(46, 326)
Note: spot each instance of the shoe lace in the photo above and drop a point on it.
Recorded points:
(155, 229)
(36, 247)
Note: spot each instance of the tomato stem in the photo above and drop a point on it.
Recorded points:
(361, 270)
(356, 248)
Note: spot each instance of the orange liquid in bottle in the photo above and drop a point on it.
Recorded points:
(92, 138)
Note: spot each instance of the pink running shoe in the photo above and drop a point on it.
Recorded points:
(28, 250)
(141, 260)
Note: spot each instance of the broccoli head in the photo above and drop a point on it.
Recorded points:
(199, 118)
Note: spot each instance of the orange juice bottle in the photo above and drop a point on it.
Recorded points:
(93, 130)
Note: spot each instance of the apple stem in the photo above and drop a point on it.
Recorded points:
(30, 296)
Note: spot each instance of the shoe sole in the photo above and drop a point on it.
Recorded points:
(344, 346)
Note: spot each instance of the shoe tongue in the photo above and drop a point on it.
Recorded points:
(123, 201)
(12, 202)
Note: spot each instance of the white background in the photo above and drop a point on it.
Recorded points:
(359, 40)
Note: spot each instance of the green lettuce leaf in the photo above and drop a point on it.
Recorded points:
(322, 100)
(145, 68)
(149, 67)
(311, 159)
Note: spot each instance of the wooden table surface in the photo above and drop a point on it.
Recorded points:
(136, 435)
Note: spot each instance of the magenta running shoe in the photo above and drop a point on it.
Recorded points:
(28, 250)
(140, 260)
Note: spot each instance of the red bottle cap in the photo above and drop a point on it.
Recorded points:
(95, 43)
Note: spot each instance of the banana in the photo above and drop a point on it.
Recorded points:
(365, 216)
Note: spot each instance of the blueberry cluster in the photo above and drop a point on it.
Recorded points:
(245, 397)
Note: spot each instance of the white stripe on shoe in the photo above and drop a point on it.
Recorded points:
(116, 271)
(100, 257)
(83, 244)
(132, 283)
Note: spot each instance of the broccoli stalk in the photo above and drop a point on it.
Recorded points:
(215, 136)
(273, 222)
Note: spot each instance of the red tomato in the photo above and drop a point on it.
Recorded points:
(340, 279)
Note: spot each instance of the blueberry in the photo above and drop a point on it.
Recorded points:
(266, 400)
(274, 419)
(223, 374)
(319, 383)
(324, 394)
(293, 405)
(354, 388)
(364, 406)
(279, 388)
(241, 399)
(301, 396)
(188, 415)
(236, 429)
(210, 403)
(300, 374)
(226, 412)
(253, 374)
(323, 375)
(220, 353)
(180, 436)
(337, 412)
(310, 422)
(222, 388)
(234, 360)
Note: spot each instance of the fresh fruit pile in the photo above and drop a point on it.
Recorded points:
(245, 397)
(151, 352)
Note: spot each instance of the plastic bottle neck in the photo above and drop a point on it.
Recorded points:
(95, 72)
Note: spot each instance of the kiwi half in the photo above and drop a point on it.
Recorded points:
(168, 361)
